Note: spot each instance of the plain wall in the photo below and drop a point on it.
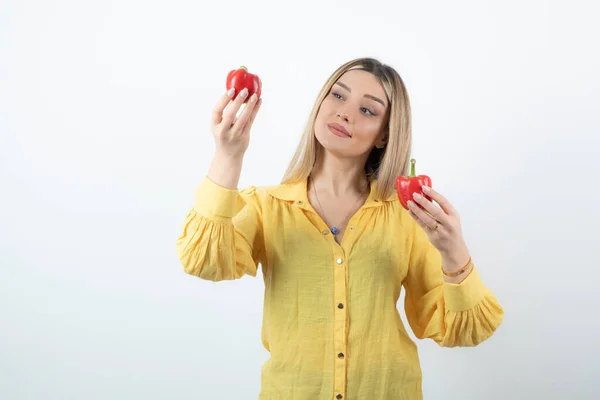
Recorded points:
(104, 135)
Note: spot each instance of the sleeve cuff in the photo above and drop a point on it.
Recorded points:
(465, 295)
(216, 202)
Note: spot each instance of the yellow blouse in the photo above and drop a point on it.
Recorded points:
(330, 320)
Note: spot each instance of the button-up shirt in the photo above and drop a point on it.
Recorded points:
(330, 318)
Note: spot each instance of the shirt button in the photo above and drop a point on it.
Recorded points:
(325, 232)
(299, 202)
(341, 355)
(352, 228)
(339, 396)
(340, 305)
(339, 260)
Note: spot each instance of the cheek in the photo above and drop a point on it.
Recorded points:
(325, 109)
(369, 129)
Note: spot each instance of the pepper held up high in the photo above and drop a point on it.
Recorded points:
(240, 78)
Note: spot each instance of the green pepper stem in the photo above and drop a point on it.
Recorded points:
(243, 67)
(412, 168)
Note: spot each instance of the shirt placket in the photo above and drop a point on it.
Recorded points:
(340, 323)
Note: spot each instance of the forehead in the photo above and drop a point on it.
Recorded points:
(363, 82)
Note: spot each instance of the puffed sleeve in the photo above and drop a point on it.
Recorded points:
(222, 233)
(463, 314)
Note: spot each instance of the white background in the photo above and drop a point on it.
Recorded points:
(104, 134)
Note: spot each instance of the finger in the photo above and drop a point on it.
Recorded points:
(422, 215)
(420, 222)
(217, 113)
(441, 200)
(242, 120)
(233, 108)
(434, 211)
(252, 117)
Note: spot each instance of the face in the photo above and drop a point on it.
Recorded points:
(352, 117)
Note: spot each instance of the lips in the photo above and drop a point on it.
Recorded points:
(338, 130)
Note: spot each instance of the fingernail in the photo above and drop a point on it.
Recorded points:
(244, 92)
(417, 196)
(230, 92)
(426, 189)
(253, 97)
(411, 204)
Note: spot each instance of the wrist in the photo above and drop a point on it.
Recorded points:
(228, 159)
(455, 260)
(225, 171)
(457, 265)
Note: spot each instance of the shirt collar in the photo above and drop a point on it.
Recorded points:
(297, 193)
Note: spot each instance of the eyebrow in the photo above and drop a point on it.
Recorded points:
(377, 99)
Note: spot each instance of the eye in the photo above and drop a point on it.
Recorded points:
(366, 110)
(336, 95)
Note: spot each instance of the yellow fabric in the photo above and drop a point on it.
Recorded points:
(229, 233)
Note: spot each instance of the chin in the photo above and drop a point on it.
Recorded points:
(335, 145)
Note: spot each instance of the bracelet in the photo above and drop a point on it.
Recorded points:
(460, 271)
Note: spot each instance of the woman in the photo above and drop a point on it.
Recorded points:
(336, 246)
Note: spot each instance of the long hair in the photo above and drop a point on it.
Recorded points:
(384, 164)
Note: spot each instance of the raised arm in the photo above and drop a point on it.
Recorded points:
(222, 233)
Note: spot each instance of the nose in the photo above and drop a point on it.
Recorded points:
(343, 115)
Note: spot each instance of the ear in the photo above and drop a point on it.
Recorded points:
(383, 141)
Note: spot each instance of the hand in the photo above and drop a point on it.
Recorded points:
(232, 135)
(442, 225)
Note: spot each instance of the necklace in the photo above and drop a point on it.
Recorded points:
(334, 230)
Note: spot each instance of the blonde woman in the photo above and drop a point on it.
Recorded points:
(336, 247)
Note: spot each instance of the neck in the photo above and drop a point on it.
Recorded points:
(339, 177)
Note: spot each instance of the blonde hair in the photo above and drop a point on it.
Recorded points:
(382, 164)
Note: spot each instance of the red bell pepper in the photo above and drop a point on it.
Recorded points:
(240, 78)
(407, 185)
